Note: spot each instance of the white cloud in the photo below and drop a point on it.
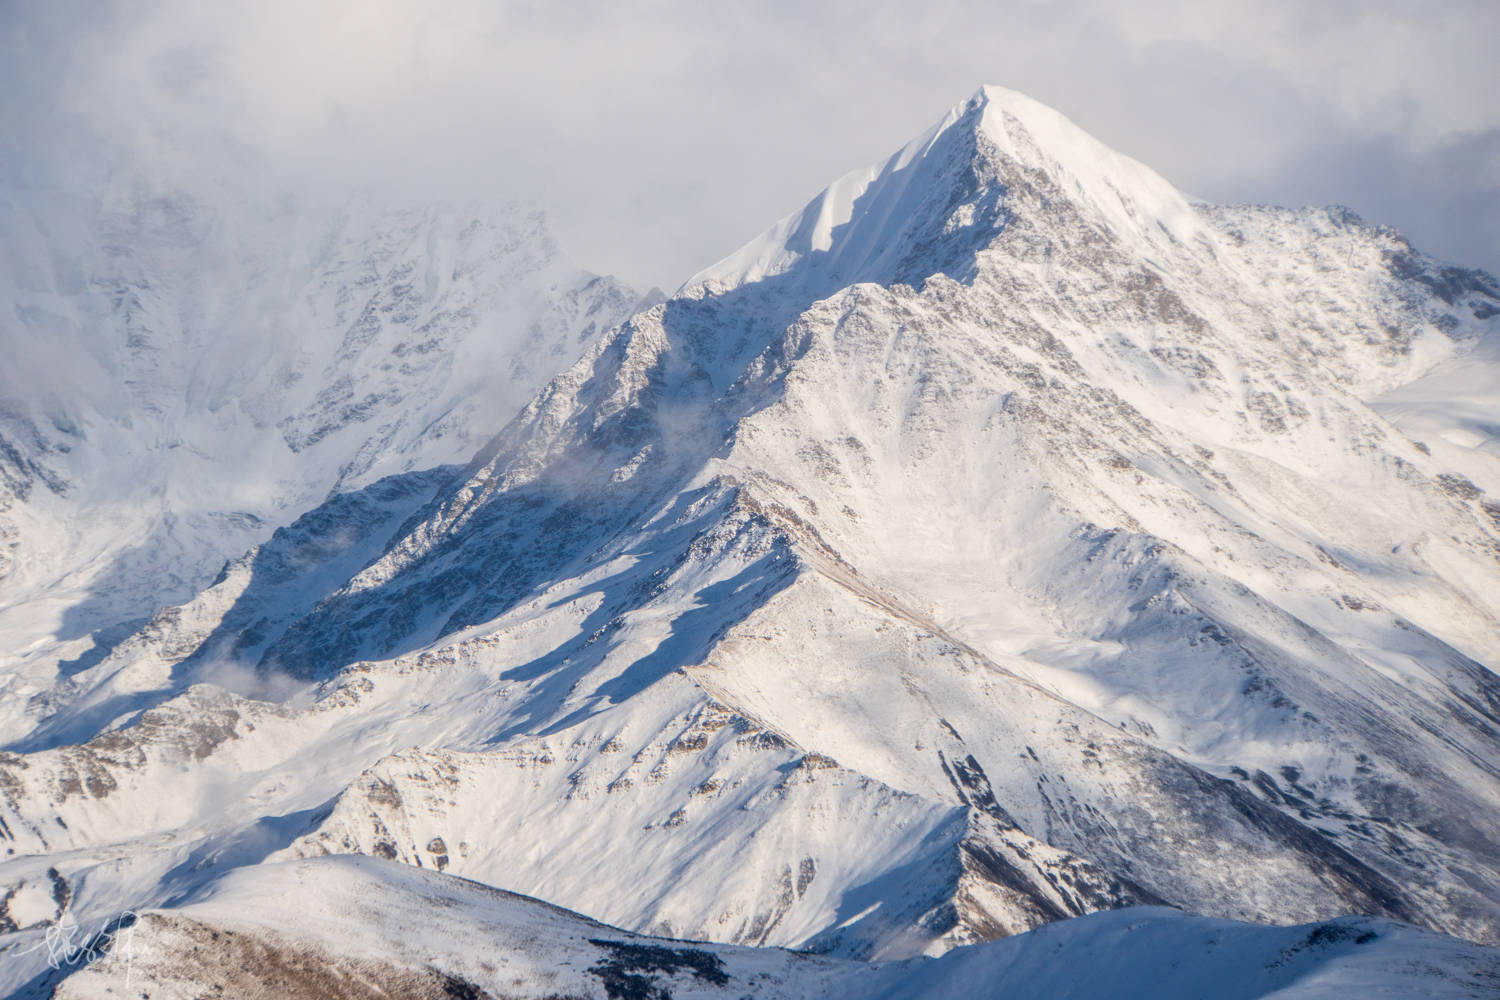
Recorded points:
(661, 133)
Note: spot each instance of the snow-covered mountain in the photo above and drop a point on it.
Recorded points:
(1000, 539)
(182, 378)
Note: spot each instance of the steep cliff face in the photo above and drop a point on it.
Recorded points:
(1000, 539)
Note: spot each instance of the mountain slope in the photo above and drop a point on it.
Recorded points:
(1000, 539)
(183, 378)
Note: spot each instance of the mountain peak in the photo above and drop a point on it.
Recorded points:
(935, 203)
(868, 621)
(1125, 193)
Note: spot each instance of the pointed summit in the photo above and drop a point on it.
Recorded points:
(1122, 192)
(939, 200)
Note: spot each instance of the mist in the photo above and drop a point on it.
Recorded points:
(659, 135)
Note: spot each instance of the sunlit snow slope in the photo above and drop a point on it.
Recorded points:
(1000, 539)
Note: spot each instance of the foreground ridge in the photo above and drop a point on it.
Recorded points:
(353, 936)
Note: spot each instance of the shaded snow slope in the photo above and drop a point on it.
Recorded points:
(1001, 539)
(352, 933)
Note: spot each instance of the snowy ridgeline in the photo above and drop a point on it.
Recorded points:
(998, 540)
(359, 927)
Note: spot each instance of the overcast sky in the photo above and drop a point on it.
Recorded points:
(661, 134)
